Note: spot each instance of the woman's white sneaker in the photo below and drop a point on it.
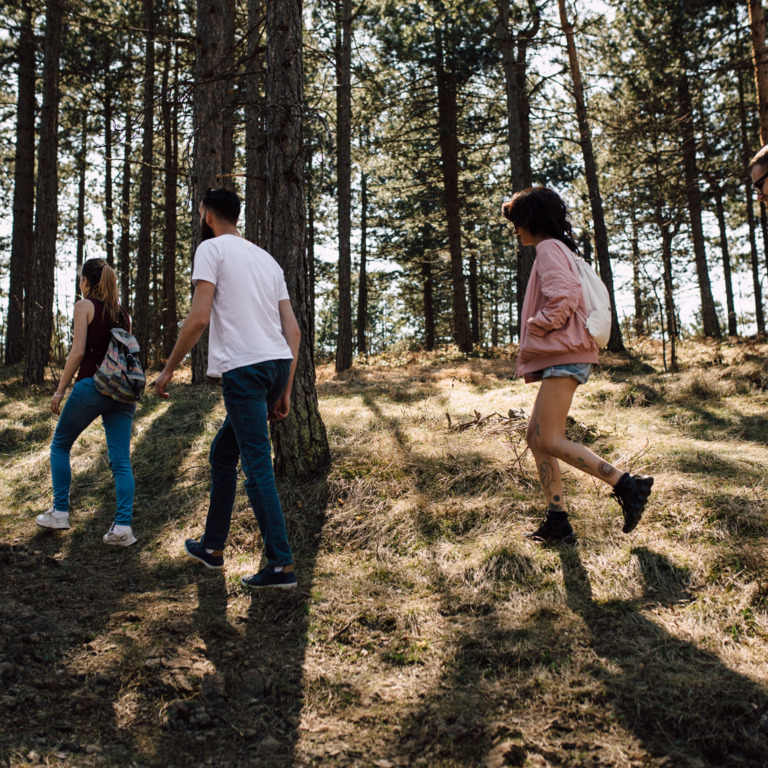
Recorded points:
(123, 539)
(53, 519)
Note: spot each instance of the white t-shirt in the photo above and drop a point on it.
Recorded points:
(245, 320)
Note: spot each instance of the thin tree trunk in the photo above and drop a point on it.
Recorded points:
(760, 63)
(109, 205)
(514, 52)
(300, 442)
(40, 316)
(428, 292)
(615, 343)
(255, 155)
(474, 301)
(125, 218)
(344, 179)
(311, 245)
(81, 169)
(749, 196)
(717, 194)
(639, 320)
(170, 135)
(142, 322)
(710, 323)
(449, 155)
(23, 232)
(213, 150)
(362, 281)
(669, 294)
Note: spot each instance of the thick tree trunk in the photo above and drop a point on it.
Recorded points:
(142, 321)
(362, 280)
(213, 152)
(428, 292)
(40, 316)
(22, 237)
(170, 136)
(255, 154)
(760, 63)
(447, 127)
(300, 442)
(615, 343)
(124, 251)
(344, 179)
(710, 323)
(514, 51)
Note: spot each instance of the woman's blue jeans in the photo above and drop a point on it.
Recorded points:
(249, 392)
(84, 404)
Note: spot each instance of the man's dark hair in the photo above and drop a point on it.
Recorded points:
(761, 158)
(222, 203)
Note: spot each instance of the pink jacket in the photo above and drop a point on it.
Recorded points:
(551, 332)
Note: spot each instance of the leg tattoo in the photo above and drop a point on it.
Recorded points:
(605, 469)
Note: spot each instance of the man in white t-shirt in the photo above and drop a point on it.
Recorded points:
(253, 346)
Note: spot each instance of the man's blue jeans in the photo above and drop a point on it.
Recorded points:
(84, 404)
(249, 393)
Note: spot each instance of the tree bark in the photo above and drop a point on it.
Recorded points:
(615, 342)
(255, 155)
(213, 148)
(514, 52)
(40, 316)
(639, 320)
(447, 127)
(343, 55)
(310, 196)
(760, 63)
(428, 293)
(142, 321)
(300, 442)
(710, 323)
(82, 166)
(170, 136)
(124, 250)
(109, 205)
(23, 232)
(669, 292)
(362, 280)
(717, 194)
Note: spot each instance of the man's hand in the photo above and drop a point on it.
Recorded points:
(281, 408)
(161, 382)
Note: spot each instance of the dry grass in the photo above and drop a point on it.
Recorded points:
(427, 629)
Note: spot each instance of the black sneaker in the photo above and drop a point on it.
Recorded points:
(270, 578)
(196, 549)
(632, 492)
(554, 531)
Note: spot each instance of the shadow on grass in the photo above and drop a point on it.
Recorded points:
(677, 698)
(104, 651)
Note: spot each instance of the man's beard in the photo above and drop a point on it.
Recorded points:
(206, 233)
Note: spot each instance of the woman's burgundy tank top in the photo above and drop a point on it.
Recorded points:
(98, 338)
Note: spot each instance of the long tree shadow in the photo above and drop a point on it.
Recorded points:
(676, 697)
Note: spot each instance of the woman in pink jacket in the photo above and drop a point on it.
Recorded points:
(557, 350)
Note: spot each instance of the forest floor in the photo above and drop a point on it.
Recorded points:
(426, 629)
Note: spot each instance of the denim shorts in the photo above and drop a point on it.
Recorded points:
(579, 371)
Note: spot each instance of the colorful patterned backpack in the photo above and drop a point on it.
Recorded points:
(120, 375)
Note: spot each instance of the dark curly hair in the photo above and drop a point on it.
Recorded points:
(541, 211)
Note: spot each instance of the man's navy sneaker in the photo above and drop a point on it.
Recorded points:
(270, 578)
(196, 549)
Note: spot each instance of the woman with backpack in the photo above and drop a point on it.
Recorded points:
(94, 317)
(557, 350)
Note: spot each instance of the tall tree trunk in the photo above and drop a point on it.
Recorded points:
(447, 127)
(311, 245)
(717, 194)
(615, 342)
(362, 281)
(669, 291)
(109, 205)
(749, 196)
(124, 251)
(514, 52)
(170, 136)
(22, 237)
(760, 63)
(428, 292)
(639, 320)
(710, 323)
(142, 322)
(40, 316)
(213, 149)
(255, 155)
(343, 55)
(474, 301)
(300, 442)
(81, 169)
